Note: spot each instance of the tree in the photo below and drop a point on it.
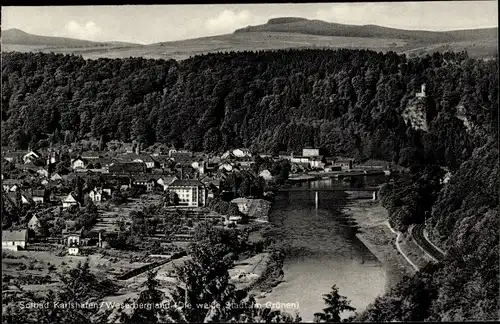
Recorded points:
(336, 304)
(117, 197)
(151, 300)
(171, 198)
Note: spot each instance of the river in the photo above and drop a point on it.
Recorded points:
(321, 250)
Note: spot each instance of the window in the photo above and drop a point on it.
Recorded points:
(194, 194)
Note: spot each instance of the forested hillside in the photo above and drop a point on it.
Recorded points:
(464, 287)
(349, 102)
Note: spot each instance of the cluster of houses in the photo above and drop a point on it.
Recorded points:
(186, 173)
(193, 177)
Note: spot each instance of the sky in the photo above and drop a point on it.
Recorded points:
(147, 24)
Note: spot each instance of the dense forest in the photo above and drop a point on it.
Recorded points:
(349, 102)
(465, 220)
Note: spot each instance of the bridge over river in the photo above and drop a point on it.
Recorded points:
(367, 189)
(356, 192)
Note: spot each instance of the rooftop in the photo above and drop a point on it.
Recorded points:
(14, 235)
(186, 183)
(38, 193)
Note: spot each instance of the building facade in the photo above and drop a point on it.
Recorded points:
(191, 193)
(14, 239)
(310, 152)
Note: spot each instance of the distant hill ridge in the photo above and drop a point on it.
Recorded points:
(323, 28)
(17, 36)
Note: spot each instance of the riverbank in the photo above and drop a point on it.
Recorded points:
(373, 232)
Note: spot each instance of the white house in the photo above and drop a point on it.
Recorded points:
(226, 166)
(191, 193)
(299, 159)
(73, 238)
(51, 158)
(14, 239)
(242, 153)
(73, 250)
(316, 162)
(199, 166)
(79, 163)
(266, 174)
(30, 157)
(96, 195)
(69, 201)
(39, 196)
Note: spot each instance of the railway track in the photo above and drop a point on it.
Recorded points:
(428, 247)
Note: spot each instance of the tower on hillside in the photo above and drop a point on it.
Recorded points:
(421, 94)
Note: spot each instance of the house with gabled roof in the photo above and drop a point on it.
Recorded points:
(31, 157)
(33, 222)
(70, 201)
(73, 237)
(79, 163)
(56, 177)
(40, 196)
(96, 195)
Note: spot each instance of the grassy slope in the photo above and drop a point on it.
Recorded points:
(236, 42)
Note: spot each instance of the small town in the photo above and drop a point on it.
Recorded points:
(250, 163)
(130, 210)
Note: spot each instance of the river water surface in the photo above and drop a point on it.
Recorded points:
(321, 250)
